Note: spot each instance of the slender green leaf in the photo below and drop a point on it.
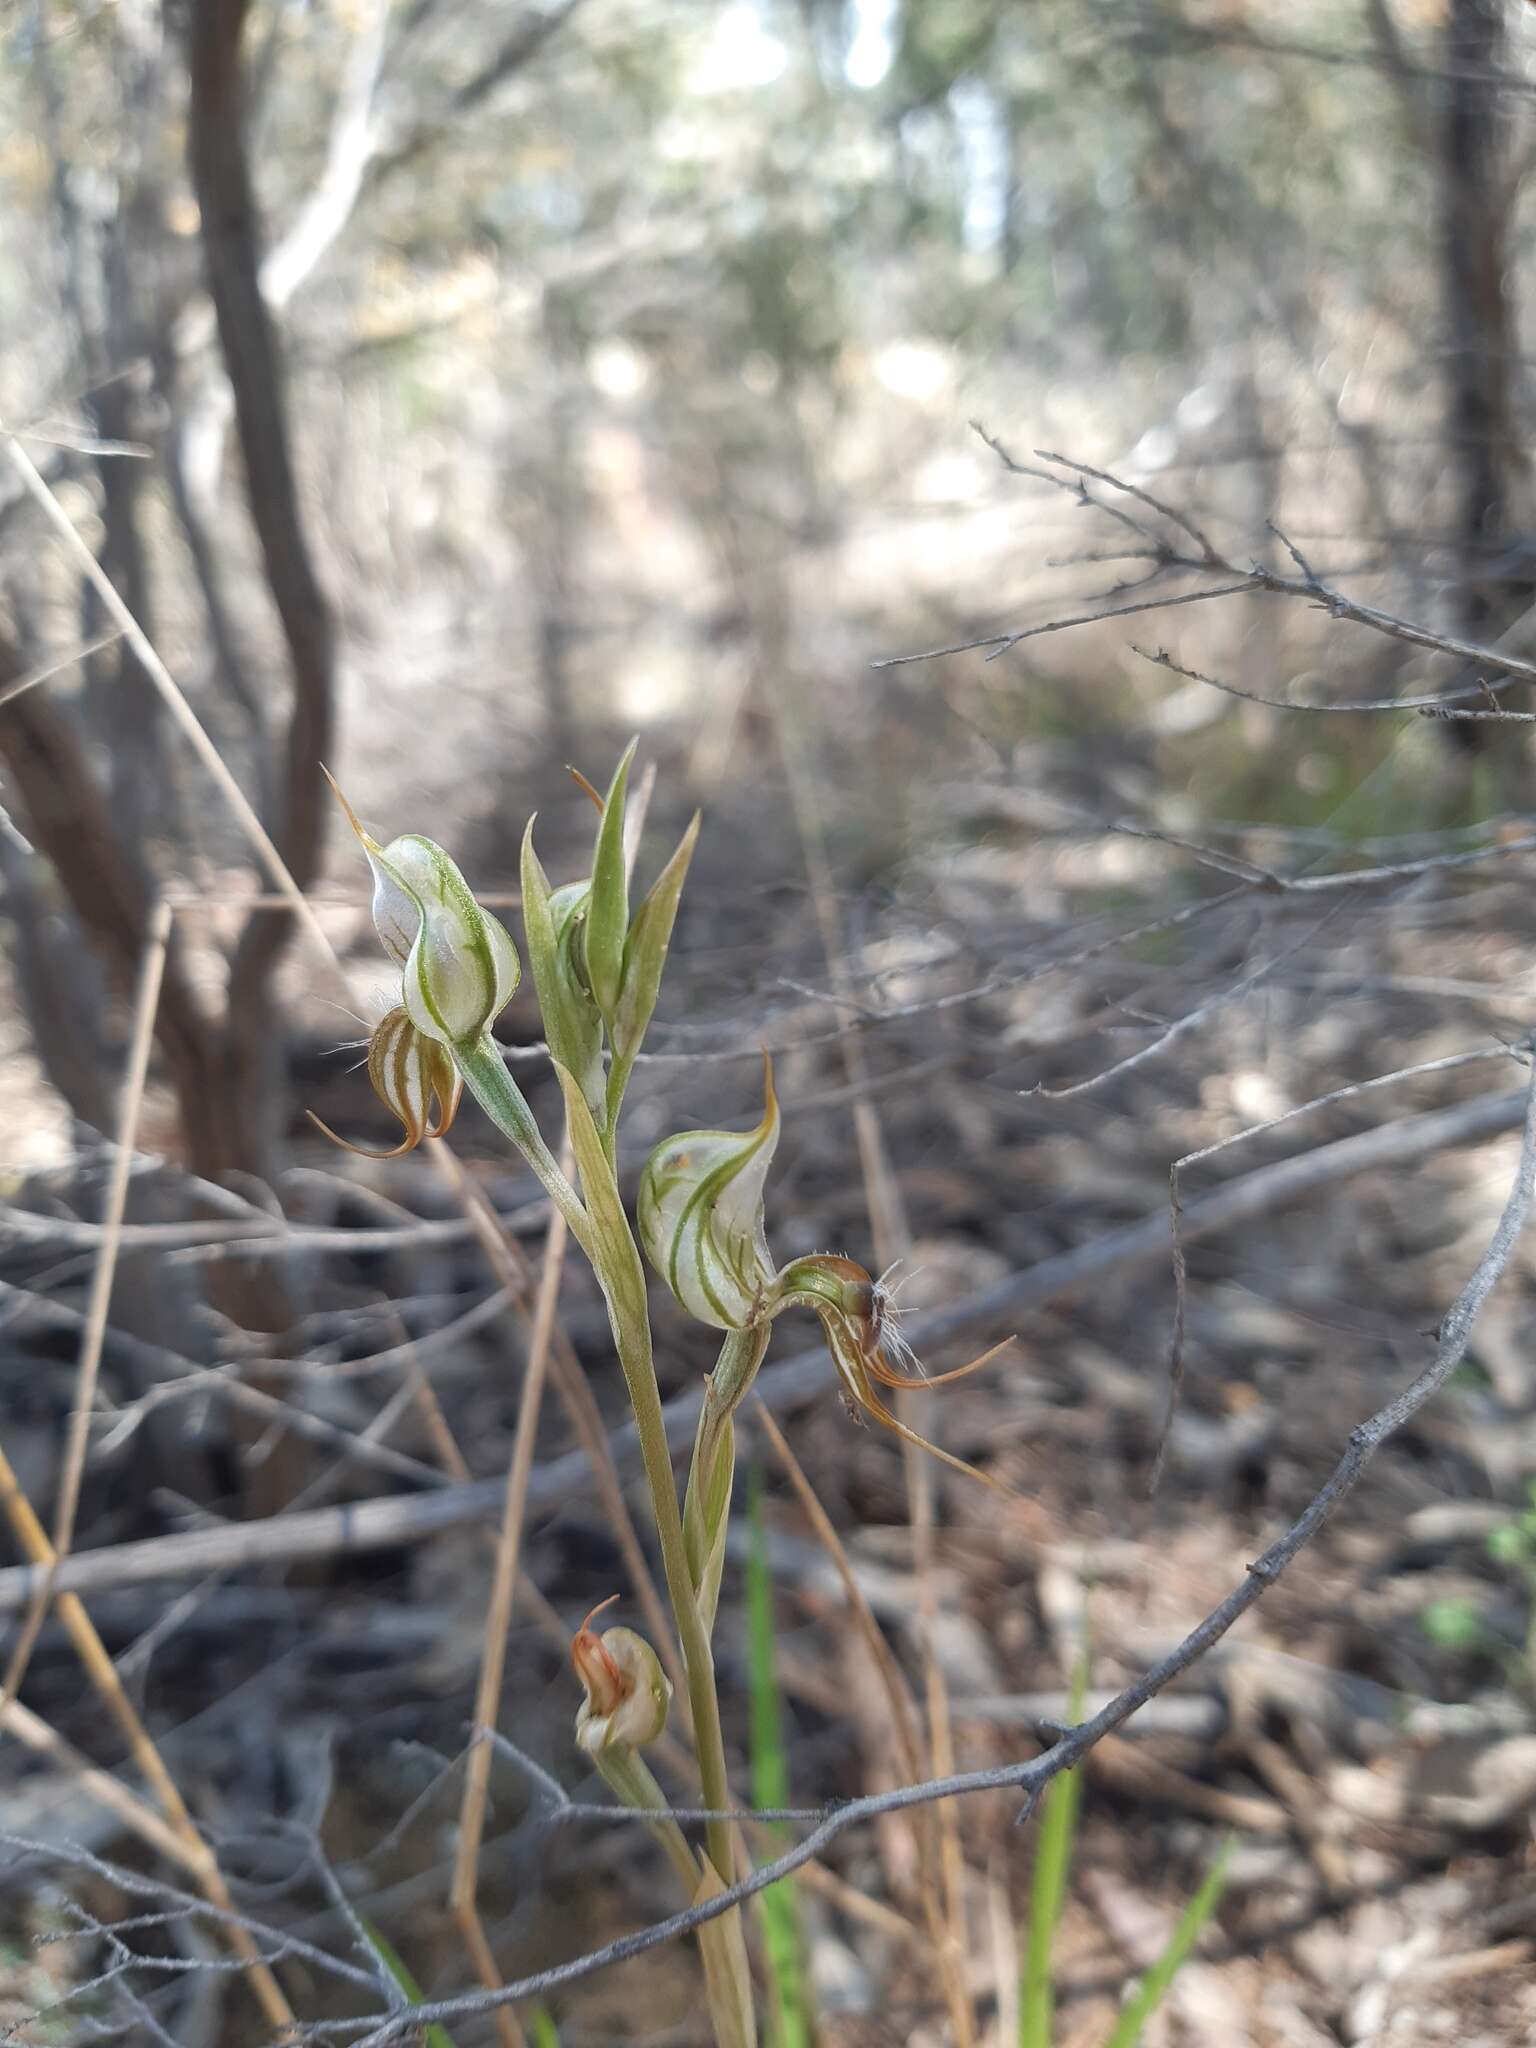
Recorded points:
(1153, 1988)
(545, 2033)
(552, 921)
(785, 1941)
(608, 914)
(645, 955)
(433, 2035)
(538, 916)
(1048, 1889)
(610, 1245)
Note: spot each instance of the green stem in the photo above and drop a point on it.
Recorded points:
(633, 1332)
(735, 1369)
(602, 1229)
(712, 1472)
(485, 1075)
(629, 1778)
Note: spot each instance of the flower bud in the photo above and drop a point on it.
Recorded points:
(410, 1074)
(628, 1693)
(700, 1211)
(458, 964)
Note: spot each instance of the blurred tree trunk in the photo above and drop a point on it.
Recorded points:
(69, 822)
(126, 699)
(546, 510)
(1478, 194)
(226, 1068)
(197, 403)
(58, 982)
(217, 153)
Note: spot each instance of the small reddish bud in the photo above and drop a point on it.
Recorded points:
(627, 1692)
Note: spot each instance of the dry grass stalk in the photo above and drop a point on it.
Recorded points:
(906, 1723)
(32, 1539)
(893, 1242)
(435, 1422)
(1002, 1942)
(497, 1622)
(551, 1623)
(103, 1272)
(134, 1812)
(170, 690)
(57, 664)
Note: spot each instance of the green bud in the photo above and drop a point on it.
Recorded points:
(700, 1211)
(627, 1692)
(607, 920)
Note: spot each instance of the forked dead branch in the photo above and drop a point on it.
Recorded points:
(1168, 557)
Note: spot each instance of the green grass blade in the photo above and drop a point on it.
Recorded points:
(1048, 1888)
(433, 2036)
(1153, 1988)
(793, 2026)
(545, 2033)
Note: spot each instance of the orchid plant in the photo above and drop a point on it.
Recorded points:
(597, 969)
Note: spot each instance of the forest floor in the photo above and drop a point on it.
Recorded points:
(1366, 1736)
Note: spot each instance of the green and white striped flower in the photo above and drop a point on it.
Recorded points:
(700, 1211)
(458, 965)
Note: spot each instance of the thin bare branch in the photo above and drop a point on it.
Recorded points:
(1000, 643)
(1169, 512)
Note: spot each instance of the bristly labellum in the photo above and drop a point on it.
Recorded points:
(412, 1075)
(857, 1320)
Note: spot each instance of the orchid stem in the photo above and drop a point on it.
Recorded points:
(485, 1075)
